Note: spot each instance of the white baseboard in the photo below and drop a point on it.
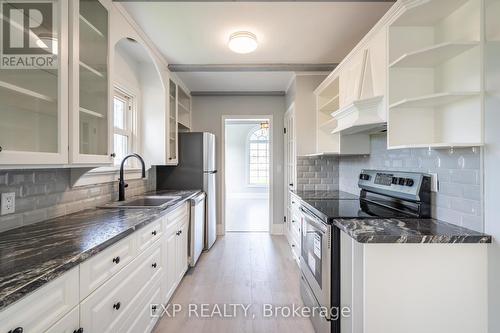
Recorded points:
(277, 229)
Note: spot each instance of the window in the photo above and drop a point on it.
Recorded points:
(258, 159)
(124, 119)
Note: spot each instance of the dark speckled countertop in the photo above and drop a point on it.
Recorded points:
(33, 255)
(338, 207)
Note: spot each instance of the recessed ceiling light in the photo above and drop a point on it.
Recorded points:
(242, 42)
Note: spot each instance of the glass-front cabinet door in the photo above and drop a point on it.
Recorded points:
(172, 127)
(90, 101)
(33, 82)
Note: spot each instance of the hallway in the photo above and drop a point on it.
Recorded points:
(247, 268)
(247, 214)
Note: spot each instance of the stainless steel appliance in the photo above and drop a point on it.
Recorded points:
(196, 170)
(384, 194)
(196, 228)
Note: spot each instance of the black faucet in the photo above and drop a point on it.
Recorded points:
(121, 184)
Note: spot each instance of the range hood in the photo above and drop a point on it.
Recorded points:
(361, 116)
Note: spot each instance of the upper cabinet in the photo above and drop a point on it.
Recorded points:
(33, 86)
(90, 102)
(436, 76)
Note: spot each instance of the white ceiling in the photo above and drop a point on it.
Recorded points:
(288, 32)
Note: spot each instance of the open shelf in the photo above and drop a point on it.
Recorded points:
(433, 100)
(439, 145)
(183, 127)
(182, 107)
(91, 26)
(429, 13)
(329, 125)
(330, 105)
(433, 55)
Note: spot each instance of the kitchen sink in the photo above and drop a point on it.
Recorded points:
(144, 202)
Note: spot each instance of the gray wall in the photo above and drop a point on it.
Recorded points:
(317, 173)
(207, 116)
(45, 194)
(459, 200)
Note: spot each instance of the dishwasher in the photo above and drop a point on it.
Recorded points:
(196, 228)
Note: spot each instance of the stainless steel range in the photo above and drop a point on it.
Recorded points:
(384, 194)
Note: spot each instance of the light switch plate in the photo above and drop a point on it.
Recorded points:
(434, 182)
(8, 203)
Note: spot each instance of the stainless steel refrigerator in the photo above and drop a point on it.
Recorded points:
(196, 170)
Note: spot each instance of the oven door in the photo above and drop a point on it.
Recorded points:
(315, 261)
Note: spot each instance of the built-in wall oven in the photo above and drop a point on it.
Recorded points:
(320, 269)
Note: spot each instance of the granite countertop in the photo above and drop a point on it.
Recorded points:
(33, 255)
(388, 229)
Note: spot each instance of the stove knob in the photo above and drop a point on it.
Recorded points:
(364, 176)
(409, 182)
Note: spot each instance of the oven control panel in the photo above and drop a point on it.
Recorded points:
(407, 185)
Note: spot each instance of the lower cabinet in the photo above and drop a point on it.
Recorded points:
(175, 249)
(70, 323)
(114, 291)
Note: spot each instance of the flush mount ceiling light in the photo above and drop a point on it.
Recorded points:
(242, 42)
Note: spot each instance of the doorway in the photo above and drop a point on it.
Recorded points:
(247, 176)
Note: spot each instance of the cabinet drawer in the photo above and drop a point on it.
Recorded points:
(98, 269)
(178, 213)
(70, 323)
(106, 308)
(149, 234)
(37, 312)
(141, 320)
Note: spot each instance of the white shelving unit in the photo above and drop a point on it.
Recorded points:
(435, 76)
(184, 111)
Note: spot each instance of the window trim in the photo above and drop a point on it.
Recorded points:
(247, 162)
(109, 174)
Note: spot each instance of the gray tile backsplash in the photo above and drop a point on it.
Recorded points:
(47, 193)
(459, 199)
(317, 173)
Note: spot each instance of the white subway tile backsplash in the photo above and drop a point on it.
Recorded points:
(45, 194)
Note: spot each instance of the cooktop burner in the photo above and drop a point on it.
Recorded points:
(354, 209)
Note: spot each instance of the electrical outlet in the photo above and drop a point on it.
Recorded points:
(434, 182)
(8, 203)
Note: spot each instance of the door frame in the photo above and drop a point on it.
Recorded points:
(223, 166)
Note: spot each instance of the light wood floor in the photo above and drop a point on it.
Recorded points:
(248, 268)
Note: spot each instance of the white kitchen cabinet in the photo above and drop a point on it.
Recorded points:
(98, 269)
(34, 102)
(172, 130)
(175, 249)
(436, 77)
(90, 115)
(70, 323)
(105, 309)
(43, 308)
(378, 277)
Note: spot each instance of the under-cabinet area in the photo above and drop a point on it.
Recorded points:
(249, 166)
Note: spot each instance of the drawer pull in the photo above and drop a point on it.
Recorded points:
(17, 330)
(116, 306)
(153, 307)
(154, 265)
(178, 233)
(293, 245)
(116, 260)
(80, 330)
(154, 233)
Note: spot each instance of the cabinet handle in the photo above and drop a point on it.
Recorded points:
(80, 330)
(17, 330)
(177, 233)
(116, 306)
(153, 307)
(154, 265)
(154, 233)
(116, 260)
(293, 245)
(113, 155)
